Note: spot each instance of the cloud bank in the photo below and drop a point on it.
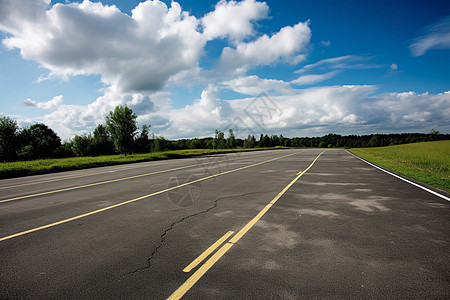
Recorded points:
(140, 55)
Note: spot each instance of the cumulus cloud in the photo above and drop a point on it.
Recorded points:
(56, 102)
(314, 111)
(132, 53)
(202, 117)
(253, 85)
(138, 54)
(233, 19)
(314, 78)
(288, 45)
(15, 16)
(437, 36)
(68, 120)
(306, 112)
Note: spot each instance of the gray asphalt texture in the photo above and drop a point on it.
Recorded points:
(343, 230)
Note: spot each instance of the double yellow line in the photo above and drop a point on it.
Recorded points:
(216, 256)
(135, 199)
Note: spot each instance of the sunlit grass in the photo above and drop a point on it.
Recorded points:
(22, 168)
(428, 162)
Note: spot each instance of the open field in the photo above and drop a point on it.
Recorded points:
(428, 162)
(42, 166)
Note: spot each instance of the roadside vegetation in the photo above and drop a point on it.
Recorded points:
(42, 166)
(428, 162)
(38, 149)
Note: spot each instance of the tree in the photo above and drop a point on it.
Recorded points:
(160, 144)
(38, 141)
(8, 138)
(374, 141)
(231, 139)
(195, 144)
(121, 124)
(250, 141)
(102, 143)
(434, 135)
(142, 142)
(264, 141)
(219, 140)
(82, 145)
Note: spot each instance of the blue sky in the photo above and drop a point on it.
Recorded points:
(188, 68)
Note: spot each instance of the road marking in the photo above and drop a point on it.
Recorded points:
(404, 179)
(207, 252)
(199, 273)
(51, 180)
(137, 199)
(191, 281)
(103, 182)
(78, 176)
(106, 172)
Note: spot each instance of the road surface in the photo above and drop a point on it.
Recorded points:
(281, 224)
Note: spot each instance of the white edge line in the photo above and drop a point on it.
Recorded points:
(399, 177)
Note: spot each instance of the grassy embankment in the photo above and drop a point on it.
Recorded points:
(42, 166)
(428, 162)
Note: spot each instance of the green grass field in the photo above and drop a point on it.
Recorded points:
(428, 162)
(42, 166)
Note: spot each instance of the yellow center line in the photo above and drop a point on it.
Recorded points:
(190, 282)
(207, 252)
(137, 199)
(105, 182)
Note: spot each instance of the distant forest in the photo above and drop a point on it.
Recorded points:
(121, 135)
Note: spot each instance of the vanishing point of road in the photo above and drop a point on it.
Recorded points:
(279, 224)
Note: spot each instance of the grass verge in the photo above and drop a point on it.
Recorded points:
(42, 166)
(428, 162)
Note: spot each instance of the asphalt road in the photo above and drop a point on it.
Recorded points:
(342, 229)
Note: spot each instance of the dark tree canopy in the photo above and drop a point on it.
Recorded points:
(142, 142)
(38, 141)
(8, 138)
(102, 143)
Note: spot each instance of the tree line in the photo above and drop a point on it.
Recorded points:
(120, 134)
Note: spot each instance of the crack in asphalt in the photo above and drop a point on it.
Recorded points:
(163, 236)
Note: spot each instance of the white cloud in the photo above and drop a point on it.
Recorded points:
(132, 53)
(314, 111)
(437, 37)
(202, 117)
(305, 112)
(138, 54)
(326, 62)
(326, 43)
(253, 85)
(233, 19)
(314, 78)
(287, 45)
(56, 102)
(339, 63)
(68, 120)
(16, 15)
